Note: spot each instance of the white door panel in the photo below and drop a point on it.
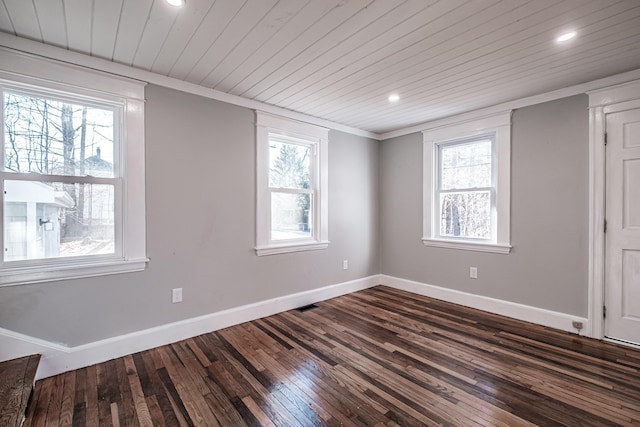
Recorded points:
(622, 270)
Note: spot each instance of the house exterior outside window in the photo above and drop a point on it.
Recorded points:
(72, 172)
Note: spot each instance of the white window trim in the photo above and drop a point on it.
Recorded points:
(19, 69)
(500, 124)
(319, 137)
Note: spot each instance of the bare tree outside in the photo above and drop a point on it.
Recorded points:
(465, 189)
(56, 138)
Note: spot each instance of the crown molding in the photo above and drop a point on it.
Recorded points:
(31, 47)
(594, 85)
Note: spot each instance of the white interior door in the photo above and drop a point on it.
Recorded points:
(622, 264)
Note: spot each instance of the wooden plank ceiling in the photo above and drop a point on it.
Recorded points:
(340, 59)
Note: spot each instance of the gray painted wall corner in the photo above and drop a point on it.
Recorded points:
(547, 267)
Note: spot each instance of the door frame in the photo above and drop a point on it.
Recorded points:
(601, 102)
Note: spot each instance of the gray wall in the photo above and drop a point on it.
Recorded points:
(200, 181)
(547, 267)
(201, 216)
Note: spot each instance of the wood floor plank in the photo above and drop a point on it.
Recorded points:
(154, 390)
(157, 417)
(126, 404)
(55, 402)
(377, 357)
(256, 414)
(115, 417)
(68, 395)
(105, 395)
(223, 408)
(272, 407)
(30, 410)
(296, 391)
(140, 406)
(16, 383)
(354, 404)
(323, 403)
(39, 416)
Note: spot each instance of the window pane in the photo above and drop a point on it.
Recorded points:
(49, 220)
(466, 214)
(466, 165)
(289, 165)
(57, 138)
(291, 216)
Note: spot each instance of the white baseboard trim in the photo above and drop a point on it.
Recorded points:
(540, 316)
(57, 358)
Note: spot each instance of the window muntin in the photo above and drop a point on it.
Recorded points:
(465, 188)
(292, 166)
(291, 186)
(61, 192)
(24, 74)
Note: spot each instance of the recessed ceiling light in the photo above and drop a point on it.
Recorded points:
(566, 36)
(394, 97)
(176, 3)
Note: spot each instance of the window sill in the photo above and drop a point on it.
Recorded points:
(289, 247)
(49, 273)
(467, 246)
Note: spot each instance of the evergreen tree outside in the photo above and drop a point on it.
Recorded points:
(290, 168)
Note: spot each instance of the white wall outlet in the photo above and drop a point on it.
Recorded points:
(176, 295)
(345, 264)
(473, 272)
(577, 325)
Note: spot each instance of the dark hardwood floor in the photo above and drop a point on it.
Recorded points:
(379, 357)
(16, 383)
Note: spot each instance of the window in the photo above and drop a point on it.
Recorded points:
(465, 189)
(466, 185)
(292, 184)
(70, 209)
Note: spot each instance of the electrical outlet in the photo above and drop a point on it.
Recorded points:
(345, 264)
(577, 325)
(176, 295)
(473, 272)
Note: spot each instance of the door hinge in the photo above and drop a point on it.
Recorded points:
(605, 138)
(605, 225)
(604, 311)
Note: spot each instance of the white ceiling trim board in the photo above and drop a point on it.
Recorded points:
(39, 49)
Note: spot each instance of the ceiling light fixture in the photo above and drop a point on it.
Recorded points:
(176, 3)
(394, 97)
(566, 36)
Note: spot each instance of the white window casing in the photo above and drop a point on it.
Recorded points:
(498, 126)
(125, 97)
(314, 137)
